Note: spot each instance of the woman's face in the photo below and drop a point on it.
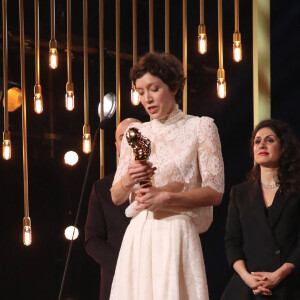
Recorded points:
(156, 97)
(266, 148)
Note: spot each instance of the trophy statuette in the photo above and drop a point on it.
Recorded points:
(140, 145)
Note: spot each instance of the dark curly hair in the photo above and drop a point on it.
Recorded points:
(289, 163)
(164, 66)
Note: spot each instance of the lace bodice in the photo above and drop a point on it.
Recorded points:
(185, 150)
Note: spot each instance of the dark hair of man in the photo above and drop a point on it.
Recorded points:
(164, 66)
(289, 164)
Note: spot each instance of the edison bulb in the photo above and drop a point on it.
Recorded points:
(135, 97)
(27, 235)
(69, 99)
(86, 143)
(202, 43)
(53, 58)
(221, 88)
(38, 103)
(6, 149)
(237, 51)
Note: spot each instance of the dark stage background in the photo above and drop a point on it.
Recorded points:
(35, 272)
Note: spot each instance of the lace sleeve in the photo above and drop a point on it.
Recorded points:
(210, 155)
(126, 156)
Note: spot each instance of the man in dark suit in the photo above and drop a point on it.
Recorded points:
(106, 223)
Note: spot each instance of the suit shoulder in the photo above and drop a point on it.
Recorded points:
(242, 187)
(105, 182)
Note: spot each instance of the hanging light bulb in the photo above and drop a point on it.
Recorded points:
(69, 96)
(221, 83)
(221, 86)
(202, 40)
(27, 234)
(135, 97)
(86, 141)
(53, 54)
(6, 149)
(237, 40)
(27, 237)
(38, 103)
(38, 99)
(237, 47)
(6, 134)
(6, 146)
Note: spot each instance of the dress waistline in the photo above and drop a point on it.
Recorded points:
(164, 214)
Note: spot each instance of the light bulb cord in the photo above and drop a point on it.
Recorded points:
(78, 211)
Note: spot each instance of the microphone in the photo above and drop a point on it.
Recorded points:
(109, 108)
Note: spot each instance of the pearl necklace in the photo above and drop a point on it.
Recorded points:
(269, 186)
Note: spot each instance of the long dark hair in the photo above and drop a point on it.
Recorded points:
(289, 163)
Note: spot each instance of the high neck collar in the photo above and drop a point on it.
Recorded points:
(171, 118)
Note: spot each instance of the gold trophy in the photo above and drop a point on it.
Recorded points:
(141, 147)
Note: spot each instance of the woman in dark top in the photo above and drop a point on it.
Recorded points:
(263, 225)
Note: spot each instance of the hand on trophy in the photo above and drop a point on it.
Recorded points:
(140, 172)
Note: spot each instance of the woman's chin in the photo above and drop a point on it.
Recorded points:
(269, 165)
(155, 115)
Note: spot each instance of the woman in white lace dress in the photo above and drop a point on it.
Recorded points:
(161, 256)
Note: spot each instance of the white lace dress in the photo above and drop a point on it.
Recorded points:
(161, 255)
